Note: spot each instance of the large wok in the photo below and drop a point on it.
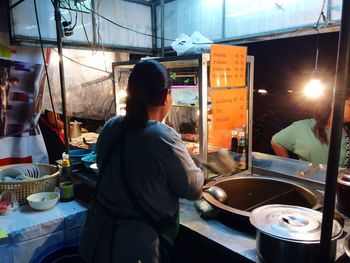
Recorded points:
(245, 193)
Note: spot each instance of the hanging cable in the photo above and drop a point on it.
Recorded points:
(16, 4)
(318, 34)
(121, 26)
(314, 88)
(84, 65)
(45, 66)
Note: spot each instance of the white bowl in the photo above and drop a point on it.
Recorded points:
(94, 167)
(43, 200)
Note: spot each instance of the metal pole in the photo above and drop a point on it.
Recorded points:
(154, 26)
(162, 27)
(342, 82)
(95, 37)
(63, 87)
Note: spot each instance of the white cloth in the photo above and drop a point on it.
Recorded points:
(23, 149)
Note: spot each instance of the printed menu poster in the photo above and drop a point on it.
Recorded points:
(229, 111)
(227, 66)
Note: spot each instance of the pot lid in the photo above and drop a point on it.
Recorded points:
(293, 223)
(344, 177)
(75, 122)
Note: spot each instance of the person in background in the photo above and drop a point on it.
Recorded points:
(144, 168)
(309, 139)
(51, 129)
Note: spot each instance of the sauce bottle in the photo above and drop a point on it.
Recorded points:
(66, 186)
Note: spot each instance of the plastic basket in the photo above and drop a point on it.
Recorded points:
(44, 179)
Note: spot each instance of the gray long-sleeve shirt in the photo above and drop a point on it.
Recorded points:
(160, 171)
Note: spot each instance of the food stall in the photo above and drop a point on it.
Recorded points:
(224, 112)
(214, 118)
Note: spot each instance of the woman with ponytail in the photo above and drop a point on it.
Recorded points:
(309, 139)
(144, 169)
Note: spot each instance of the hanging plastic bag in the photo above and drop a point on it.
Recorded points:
(196, 44)
(182, 44)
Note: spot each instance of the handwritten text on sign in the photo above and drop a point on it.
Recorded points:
(229, 109)
(227, 66)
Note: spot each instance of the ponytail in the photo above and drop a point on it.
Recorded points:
(147, 83)
(319, 129)
(136, 108)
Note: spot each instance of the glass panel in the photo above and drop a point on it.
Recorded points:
(118, 11)
(244, 18)
(133, 16)
(336, 7)
(25, 25)
(228, 128)
(228, 144)
(187, 16)
(184, 114)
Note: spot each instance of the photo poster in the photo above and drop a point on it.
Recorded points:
(21, 92)
(228, 66)
(229, 111)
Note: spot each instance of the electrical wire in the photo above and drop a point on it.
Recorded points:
(16, 4)
(318, 35)
(124, 27)
(87, 38)
(45, 66)
(76, 19)
(84, 65)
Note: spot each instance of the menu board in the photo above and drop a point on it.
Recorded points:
(227, 66)
(229, 111)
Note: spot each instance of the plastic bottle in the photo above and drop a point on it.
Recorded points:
(242, 163)
(234, 142)
(241, 145)
(66, 186)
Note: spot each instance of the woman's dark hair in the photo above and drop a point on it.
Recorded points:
(321, 116)
(323, 111)
(147, 83)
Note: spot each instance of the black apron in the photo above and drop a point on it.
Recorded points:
(166, 228)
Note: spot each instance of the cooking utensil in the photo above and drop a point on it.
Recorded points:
(88, 160)
(75, 129)
(289, 234)
(343, 192)
(347, 245)
(94, 167)
(91, 145)
(248, 192)
(219, 162)
(218, 193)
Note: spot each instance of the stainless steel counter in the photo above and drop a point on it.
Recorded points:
(304, 172)
(235, 241)
(239, 242)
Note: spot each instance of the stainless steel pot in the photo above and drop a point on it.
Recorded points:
(290, 234)
(343, 192)
(75, 129)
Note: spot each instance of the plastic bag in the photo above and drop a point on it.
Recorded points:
(196, 44)
(8, 204)
(182, 44)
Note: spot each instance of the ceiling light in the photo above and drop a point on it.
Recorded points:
(314, 89)
(262, 91)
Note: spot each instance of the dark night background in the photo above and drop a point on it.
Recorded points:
(286, 64)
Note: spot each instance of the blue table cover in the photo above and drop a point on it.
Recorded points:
(33, 235)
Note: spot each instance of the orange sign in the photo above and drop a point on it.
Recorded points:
(229, 109)
(227, 66)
